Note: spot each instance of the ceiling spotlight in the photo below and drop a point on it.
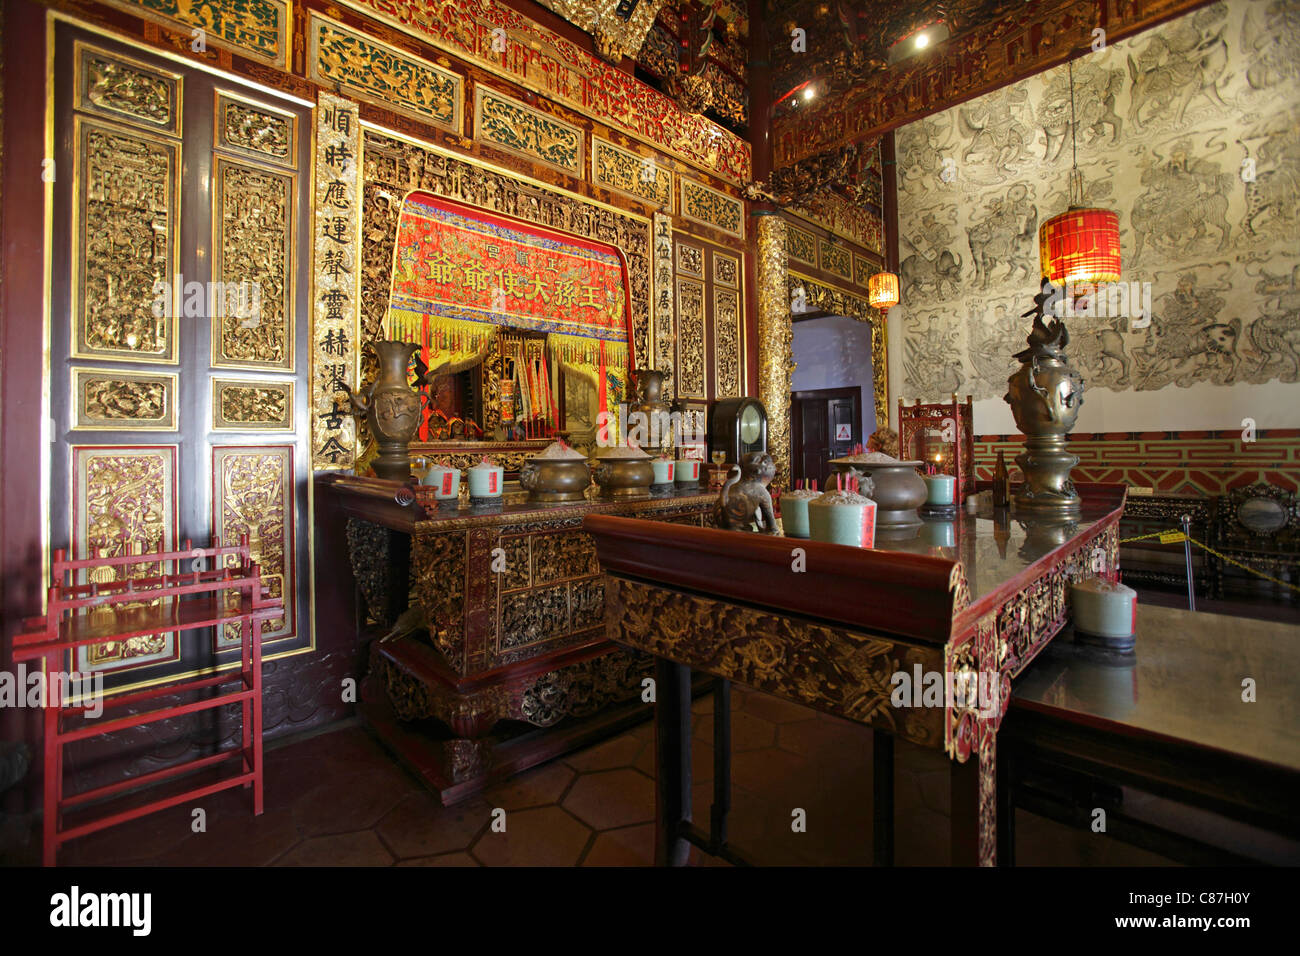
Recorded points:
(809, 92)
(922, 41)
(924, 38)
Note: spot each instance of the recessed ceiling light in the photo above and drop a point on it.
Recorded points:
(922, 41)
(809, 92)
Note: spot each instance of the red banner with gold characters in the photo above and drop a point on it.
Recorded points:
(457, 269)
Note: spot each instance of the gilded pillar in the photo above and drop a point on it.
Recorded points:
(775, 357)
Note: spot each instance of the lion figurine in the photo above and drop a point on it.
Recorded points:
(744, 500)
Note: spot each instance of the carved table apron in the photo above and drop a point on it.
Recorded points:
(512, 599)
(972, 607)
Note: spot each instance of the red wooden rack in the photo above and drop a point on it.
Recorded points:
(224, 587)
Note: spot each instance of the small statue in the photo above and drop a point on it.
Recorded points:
(744, 499)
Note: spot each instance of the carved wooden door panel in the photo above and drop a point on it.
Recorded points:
(178, 316)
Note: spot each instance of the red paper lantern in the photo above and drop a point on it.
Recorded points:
(1080, 246)
(882, 290)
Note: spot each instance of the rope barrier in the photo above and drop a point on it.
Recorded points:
(1177, 537)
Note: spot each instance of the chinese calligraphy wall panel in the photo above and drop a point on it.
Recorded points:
(335, 295)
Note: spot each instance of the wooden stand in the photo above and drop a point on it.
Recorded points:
(80, 615)
(953, 424)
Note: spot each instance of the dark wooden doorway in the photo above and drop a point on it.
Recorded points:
(817, 429)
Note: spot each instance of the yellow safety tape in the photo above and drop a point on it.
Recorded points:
(1177, 537)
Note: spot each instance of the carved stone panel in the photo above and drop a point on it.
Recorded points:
(254, 129)
(123, 89)
(109, 400)
(252, 405)
(252, 314)
(124, 502)
(125, 247)
(692, 375)
(252, 494)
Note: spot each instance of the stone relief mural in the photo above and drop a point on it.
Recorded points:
(1190, 132)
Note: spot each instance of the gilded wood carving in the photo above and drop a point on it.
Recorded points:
(126, 230)
(252, 324)
(109, 400)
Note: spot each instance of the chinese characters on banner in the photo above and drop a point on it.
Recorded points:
(335, 310)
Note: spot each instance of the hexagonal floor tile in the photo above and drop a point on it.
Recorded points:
(533, 788)
(362, 848)
(420, 826)
(612, 798)
(620, 751)
(545, 836)
(446, 859)
(628, 846)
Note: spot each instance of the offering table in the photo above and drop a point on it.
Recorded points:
(498, 624)
(965, 604)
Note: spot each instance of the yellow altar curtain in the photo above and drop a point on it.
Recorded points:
(604, 364)
(460, 345)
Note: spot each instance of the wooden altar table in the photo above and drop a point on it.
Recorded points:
(828, 627)
(1168, 720)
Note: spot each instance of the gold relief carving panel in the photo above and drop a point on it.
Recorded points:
(254, 28)
(126, 226)
(863, 270)
(800, 245)
(549, 64)
(109, 400)
(726, 343)
(252, 318)
(617, 33)
(638, 176)
(726, 270)
(517, 572)
(252, 494)
(248, 405)
(384, 74)
(692, 378)
(836, 259)
(122, 89)
(439, 565)
(690, 260)
(665, 326)
(518, 128)
(528, 617)
(254, 129)
(336, 290)
(565, 555)
(703, 204)
(124, 502)
(395, 165)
